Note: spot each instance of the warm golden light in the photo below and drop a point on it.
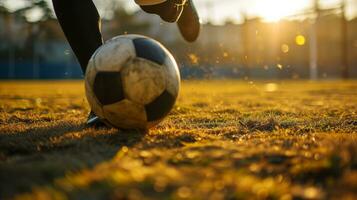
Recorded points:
(300, 40)
(271, 87)
(225, 54)
(274, 10)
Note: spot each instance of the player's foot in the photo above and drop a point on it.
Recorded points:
(181, 11)
(169, 11)
(189, 22)
(94, 121)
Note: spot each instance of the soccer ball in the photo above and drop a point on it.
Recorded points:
(132, 82)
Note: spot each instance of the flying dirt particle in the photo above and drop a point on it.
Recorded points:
(280, 66)
(193, 58)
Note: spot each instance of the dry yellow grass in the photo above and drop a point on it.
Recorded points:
(224, 140)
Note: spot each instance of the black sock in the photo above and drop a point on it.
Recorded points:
(80, 23)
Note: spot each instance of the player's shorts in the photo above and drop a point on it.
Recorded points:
(149, 2)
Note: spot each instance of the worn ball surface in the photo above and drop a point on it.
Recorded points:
(132, 82)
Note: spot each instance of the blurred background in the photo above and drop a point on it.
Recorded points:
(255, 39)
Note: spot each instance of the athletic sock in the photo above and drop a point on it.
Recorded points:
(80, 23)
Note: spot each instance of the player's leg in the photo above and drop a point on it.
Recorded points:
(189, 22)
(181, 11)
(80, 23)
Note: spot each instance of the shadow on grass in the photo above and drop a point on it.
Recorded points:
(37, 156)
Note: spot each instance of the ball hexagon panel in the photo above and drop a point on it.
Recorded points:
(160, 107)
(173, 76)
(108, 87)
(126, 114)
(150, 50)
(143, 81)
(112, 55)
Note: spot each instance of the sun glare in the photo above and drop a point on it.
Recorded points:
(275, 10)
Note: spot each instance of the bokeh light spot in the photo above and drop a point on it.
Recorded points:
(285, 48)
(300, 40)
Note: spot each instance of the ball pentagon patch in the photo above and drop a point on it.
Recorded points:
(150, 50)
(108, 87)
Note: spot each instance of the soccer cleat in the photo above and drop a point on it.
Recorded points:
(189, 22)
(94, 121)
(181, 11)
(169, 11)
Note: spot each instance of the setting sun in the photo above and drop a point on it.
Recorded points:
(274, 10)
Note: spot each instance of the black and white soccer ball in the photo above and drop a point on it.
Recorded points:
(132, 82)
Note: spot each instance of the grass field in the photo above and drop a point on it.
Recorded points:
(223, 140)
